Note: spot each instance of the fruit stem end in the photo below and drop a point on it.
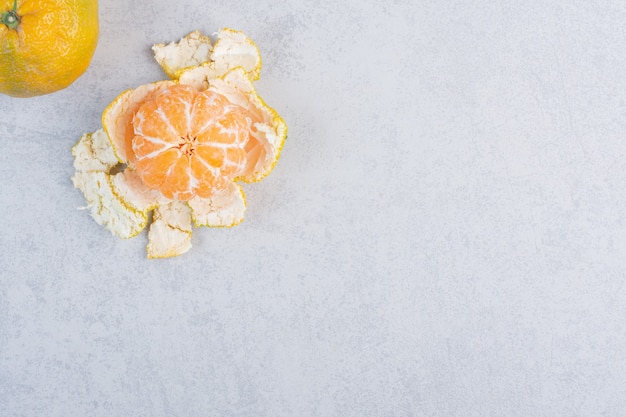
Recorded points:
(10, 18)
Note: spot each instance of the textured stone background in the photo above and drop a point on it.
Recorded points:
(445, 234)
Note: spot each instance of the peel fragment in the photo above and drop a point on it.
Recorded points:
(105, 160)
(191, 51)
(93, 152)
(93, 159)
(231, 50)
(269, 132)
(234, 49)
(225, 209)
(106, 208)
(170, 231)
(128, 187)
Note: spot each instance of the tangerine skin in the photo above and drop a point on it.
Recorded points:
(52, 45)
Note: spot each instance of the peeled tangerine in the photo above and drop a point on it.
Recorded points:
(178, 147)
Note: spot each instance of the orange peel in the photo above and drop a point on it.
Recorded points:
(177, 148)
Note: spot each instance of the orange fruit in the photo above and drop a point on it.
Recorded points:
(189, 143)
(45, 44)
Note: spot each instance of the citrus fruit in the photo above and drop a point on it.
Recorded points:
(189, 143)
(45, 44)
(177, 148)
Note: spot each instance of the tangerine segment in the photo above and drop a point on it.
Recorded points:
(208, 178)
(159, 127)
(179, 184)
(146, 145)
(174, 107)
(205, 109)
(152, 177)
(189, 143)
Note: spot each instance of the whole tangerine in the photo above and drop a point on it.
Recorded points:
(45, 45)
